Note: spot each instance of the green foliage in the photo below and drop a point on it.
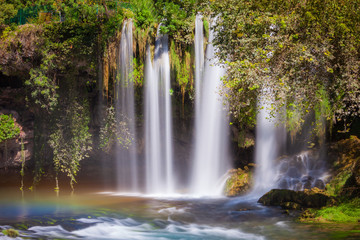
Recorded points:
(144, 11)
(8, 129)
(71, 140)
(114, 132)
(335, 186)
(138, 72)
(43, 88)
(11, 233)
(178, 19)
(7, 10)
(206, 27)
(181, 67)
(348, 211)
(303, 51)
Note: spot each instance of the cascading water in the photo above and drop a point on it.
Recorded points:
(302, 171)
(199, 61)
(210, 161)
(158, 120)
(266, 148)
(127, 167)
(297, 172)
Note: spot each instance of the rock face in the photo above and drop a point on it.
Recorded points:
(18, 52)
(346, 180)
(289, 199)
(11, 154)
(239, 182)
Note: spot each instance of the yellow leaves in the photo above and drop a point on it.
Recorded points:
(281, 82)
(330, 70)
(254, 87)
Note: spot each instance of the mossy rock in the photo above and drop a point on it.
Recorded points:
(314, 198)
(291, 206)
(10, 233)
(346, 180)
(348, 211)
(239, 182)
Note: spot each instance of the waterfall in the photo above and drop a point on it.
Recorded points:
(199, 60)
(127, 167)
(158, 120)
(266, 148)
(210, 160)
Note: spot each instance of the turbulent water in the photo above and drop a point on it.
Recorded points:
(126, 159)
(104, 216)
(210, 160)
(158, 120)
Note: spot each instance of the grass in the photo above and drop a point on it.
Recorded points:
(345, 212)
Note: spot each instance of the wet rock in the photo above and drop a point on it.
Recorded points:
(307, 185)
(291, 206)
(298, 186)
(239, 182)
(346, 180)
(319, 184)
(314, 198)
(306, 179)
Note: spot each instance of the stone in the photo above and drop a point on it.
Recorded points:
(319, 184)
(307, 185)
(291, 206)
(314, 198)
(239, 182)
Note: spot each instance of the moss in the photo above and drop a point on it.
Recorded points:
(335, 185)
(345, 212)
(346, 169)
(314, 198)
(206, 27)
(239, 182)
(11, 233)
(21, 226)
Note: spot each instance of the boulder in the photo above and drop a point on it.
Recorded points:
(289, 199)
(346, 175)
(239, 182)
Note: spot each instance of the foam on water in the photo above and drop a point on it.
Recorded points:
(128, 228)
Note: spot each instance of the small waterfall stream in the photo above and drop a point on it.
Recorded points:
(210, 160)
(158, 120)
(127, 166)
(300, 171)
(266, 148)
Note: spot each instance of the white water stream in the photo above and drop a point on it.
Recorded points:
(158, 120)
(127, 165)
(210, 160)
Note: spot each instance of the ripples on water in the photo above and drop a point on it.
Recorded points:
(104, 216)
(128, 228)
